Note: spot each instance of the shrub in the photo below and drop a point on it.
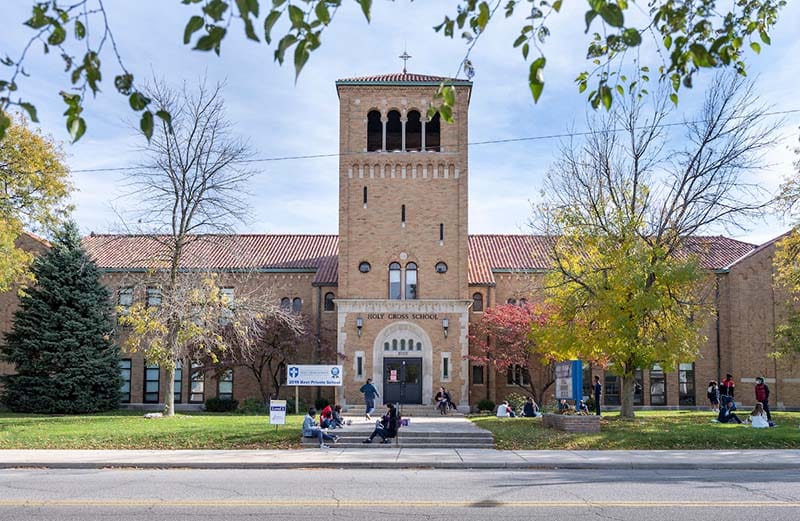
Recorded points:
(516, 401)
(221, 405)
(252, 405)
(320, 403)
(485, 405)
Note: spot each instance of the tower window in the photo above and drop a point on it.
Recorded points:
(403, 214)
(441, 267)
(286, 304)
(477, 302)
(374, 131)
(413, 131)
(365, 197)
(441, 232)
(394, 281)
(411, 281)
(329, 305)
(297, 305)
(364, 267)
(432, 134)
(394, 131)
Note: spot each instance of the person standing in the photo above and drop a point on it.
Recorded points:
(713, 395)
(370, 393)
(726, 389)
(597, 389)
(762, 396)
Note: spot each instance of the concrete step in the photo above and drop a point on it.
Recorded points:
(409, 443)
(360, 433)
(408, 411)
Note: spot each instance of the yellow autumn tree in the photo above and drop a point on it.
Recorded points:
(34, 187)
(787, 267)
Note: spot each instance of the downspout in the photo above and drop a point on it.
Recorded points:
(719, 342)
(317, 352)
(774, 320)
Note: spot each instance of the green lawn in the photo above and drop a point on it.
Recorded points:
(649, 430)
(129, 430)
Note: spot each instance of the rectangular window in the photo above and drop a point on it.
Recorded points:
(197, 384)
(518, 375)
(477, 375)
(445, 366)
(394, 284)
(359, 367)
(227, 300)
(125, 299)
(152, 383)
(177, 385)
(365, 197)
(125, 373)
(441, 232)
(225, 385)
(611, 389)
(686, 394)
(658, 386)
(403, 214)
(153, 297)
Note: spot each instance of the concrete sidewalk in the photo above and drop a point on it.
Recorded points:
(403, 458)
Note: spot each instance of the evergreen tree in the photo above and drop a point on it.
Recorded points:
(61, 341)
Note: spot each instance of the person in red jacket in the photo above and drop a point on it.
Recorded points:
(726, 388)
(326, 417)
(762, 396)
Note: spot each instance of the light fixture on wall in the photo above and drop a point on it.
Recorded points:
(359, 325)
(445, 326)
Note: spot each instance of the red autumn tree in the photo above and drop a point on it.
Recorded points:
(503, 339)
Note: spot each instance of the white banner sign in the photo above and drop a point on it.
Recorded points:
(277, 412)
(564, 381)
(314, 375)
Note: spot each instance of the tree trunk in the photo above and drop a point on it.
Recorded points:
(169, 396)
(628, 387)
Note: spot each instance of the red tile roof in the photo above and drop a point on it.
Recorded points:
(222, 252)
(319, 253)
(400, 77)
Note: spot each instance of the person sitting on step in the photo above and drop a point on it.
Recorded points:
(312, 430)
(442, 401)
(388, 426)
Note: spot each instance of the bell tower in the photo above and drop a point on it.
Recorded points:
(402, 298)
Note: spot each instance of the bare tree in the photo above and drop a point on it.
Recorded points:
(626, 208)
(192, 182)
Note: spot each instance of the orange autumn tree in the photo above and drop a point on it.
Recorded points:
(503, 339)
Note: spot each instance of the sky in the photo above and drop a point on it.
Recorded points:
(281, 117)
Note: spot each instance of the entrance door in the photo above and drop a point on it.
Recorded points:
(402, 380)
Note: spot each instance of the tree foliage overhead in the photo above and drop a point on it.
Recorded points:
(34, 187)
(627, 285)
(689, 36)
(60, 341)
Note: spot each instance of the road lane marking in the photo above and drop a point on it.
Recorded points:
(224, 503)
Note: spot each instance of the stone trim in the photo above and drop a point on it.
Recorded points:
(395, 306)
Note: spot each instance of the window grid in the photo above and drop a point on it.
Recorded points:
(177, 386)
(152, 384)
(197, 385)
(225, 385)
(125, 373)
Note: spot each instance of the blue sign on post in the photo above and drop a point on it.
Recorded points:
(569, 380)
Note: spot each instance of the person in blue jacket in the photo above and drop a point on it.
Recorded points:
(370, 393)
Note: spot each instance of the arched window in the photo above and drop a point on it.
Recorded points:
(411, 281)
(374, 131)
(402, 344)
(394, 281)
(512, 301)
(286, 304)
(394, 345)
(432, 134)
(394, 131)
(477, 302)
(413, 131)
(297, 305)
(441, 267)
(329, 301)
(364, 267)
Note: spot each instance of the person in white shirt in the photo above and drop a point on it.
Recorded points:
(504, 411)
(758, 418)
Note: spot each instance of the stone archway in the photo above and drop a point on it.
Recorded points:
(405, 330)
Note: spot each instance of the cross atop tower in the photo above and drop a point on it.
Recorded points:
(405, 57)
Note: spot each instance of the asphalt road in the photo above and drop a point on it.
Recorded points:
(375, 495)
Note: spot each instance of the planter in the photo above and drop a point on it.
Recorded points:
(572, 423)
